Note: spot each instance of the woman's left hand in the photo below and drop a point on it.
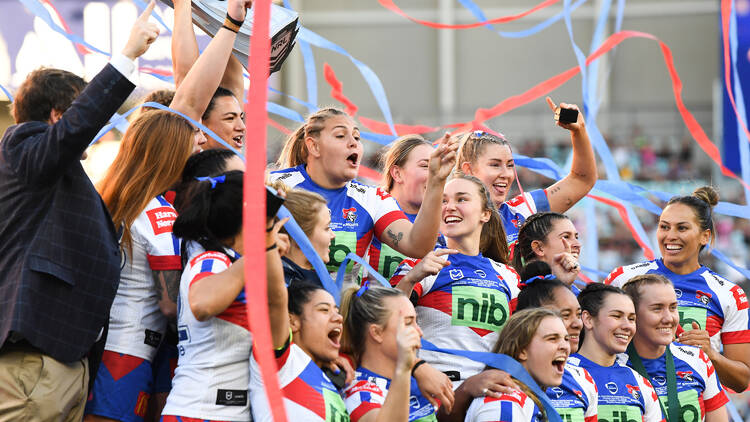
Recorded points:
(443, 158)
(573, 127)
(435, 386)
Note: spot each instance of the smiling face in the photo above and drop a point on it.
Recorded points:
(318, 330)
(553, 244)
(321, 235)
(614, 326)
(657, 316)
(680, 238)
(226, 120)
(566, 303)
(494, 167)
(410, 180)
(547, 353)
(463, 211)
(336, 150)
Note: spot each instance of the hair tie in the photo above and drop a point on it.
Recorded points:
(363, 289)
(528, 282)
(213, 180)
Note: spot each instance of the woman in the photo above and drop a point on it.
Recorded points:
(713, 311)
(305, 329)
(464, 303)
(382, 335)
(208, 163)
(552, 238)
(654, 355)
(212, 306)
(150, 160)
(405, 173)
(608, 317)
(312, 215)
(576, 398)
(222, 113)
(490, 158)
(537, 339)
(323, 156)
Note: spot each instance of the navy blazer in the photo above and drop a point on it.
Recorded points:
(59, 254)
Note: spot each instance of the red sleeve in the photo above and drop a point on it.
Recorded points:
(386, 221)
(716, 401)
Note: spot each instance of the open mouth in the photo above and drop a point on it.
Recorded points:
(559, 364)
(623, 338)
(664, 330)
(353, 159)
(500, 186)
(334, 336)
(672, 247)
(238, 140)
(452, 219)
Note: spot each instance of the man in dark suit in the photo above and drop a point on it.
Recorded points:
(59, 256)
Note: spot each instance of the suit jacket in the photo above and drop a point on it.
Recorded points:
(59, 256)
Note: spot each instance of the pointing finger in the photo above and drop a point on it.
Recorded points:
(566, 245)
(551, 103)
(147, 12)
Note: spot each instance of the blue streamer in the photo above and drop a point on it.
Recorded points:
(295, 231)
(480, 16)
(370, 77)
(7, 93)
(351, 256)
(141, 5)
(739, 101)
(507, 364)
(310, 73)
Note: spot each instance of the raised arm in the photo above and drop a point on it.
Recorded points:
(211, 295)
(200, 83)
(583, 174)
(277, 295)
(418, 239)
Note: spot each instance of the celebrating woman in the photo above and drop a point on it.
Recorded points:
(713, 311)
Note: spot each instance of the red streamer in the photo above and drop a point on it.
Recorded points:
(278, 126)
(647, 252)
(336, 90)
(388, 4)
(81, 48)
(256, 291)
(726, 10)
(382, 127)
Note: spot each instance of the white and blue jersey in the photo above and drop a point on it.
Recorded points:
(383, 258)
(464, 307)
(515, 406)
(698, 387)
(368, 391)
(213, 367)
(358, 212)
(716, 304)
(624, 395)
(515, 211)
(576, 399)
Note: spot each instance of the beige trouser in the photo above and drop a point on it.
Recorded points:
(36, 387)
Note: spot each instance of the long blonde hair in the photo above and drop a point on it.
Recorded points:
(152, 155)
(294, 152)
(397, 154)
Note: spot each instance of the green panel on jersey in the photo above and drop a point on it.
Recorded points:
(479, 307)
(344, 243)
(335, 407)
(429, 418)
(619, 413)
(574, 414)
(690, 406)
(690, 314)
(389, 260)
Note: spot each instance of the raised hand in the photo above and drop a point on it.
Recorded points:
(573, 127)
(443, 158)
(431, 264)
(236, 8)
(565, 264)
(435, 386)
(142, 35)
(407, 341)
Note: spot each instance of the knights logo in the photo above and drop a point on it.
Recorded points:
(704, 297)
(456, 274)
(686, 375)
(350, 214)
(634, 391)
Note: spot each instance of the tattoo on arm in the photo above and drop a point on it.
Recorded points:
(395, 238)
(169, 280)
(553, 190)
(578, 174)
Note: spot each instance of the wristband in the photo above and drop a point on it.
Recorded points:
(228, 28)
(233, 24)
(272, 247)
(416, 365)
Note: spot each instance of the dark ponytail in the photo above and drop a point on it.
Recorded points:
(214, 214)
(211, 162)
(536, 227)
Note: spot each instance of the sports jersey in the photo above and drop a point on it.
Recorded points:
(715, 303)
(136, 324)
(464, 307)
(308, 393)
(358, 212)
(211, 379)
(624, 395)
(576, 398)
(698, 388)
(368, 391)
(513, 407)
(515, 211)
(383, 258)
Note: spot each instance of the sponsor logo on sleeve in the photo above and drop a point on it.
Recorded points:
(161, 219)
(739, 298)
(382, 194)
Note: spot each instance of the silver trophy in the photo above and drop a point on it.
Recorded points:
(208, 15)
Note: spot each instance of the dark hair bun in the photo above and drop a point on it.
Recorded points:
(535, 268)
(707, 194)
